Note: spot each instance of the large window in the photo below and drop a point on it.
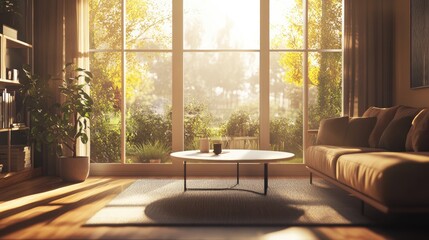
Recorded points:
(221, 71)
(305, 64)
(131, 45)
(226, 84)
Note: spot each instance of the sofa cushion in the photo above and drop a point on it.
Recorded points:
(384, 116)
(332, 131)
(395, 134)
(358, 131)
(323, 158)
(418, 136)
(392, 178)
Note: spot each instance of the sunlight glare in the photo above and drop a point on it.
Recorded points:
(234, 26)
(293, 233)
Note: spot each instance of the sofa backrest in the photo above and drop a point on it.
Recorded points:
(399, 128)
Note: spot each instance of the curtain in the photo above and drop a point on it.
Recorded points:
(57, 41)
(368, 55)
(82, 51)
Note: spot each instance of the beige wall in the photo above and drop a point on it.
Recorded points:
(403, 94)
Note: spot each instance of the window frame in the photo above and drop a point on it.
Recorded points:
(177, 51)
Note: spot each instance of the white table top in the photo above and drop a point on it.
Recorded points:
(233, 155)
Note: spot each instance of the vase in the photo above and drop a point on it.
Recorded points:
(74, 169)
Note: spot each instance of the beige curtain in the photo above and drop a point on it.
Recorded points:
(58, 39)
(368, 55)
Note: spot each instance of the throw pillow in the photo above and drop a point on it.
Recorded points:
(395, 134)
(384, 116)
(418, 136)
(332, 131)
(359, 130)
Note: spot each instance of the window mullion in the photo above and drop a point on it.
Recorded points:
(305, 76)
(264, 76)
(123, 80)
(177, 97)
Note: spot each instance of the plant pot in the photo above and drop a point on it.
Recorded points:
(74, 169)
(155, 161)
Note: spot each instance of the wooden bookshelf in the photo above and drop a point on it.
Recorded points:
(15, 148)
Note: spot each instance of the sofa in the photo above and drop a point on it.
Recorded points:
(381, 158)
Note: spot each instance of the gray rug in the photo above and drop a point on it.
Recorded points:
(162, 202)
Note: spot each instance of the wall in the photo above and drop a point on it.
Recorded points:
(403, 94)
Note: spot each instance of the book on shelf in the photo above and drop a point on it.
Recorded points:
(7, 108)
(20, 157)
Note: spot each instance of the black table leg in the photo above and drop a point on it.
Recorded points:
(184, 176)
(238, 173)
(265, 178)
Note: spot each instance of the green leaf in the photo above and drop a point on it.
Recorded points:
(84, 138)
(89, 74)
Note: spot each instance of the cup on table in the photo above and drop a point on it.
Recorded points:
(204, 145)
(217, 148)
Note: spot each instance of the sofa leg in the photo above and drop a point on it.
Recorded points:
(311, 178)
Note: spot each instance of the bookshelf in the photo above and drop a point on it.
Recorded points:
(15, 149)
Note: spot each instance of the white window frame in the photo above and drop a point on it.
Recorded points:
(176, 168)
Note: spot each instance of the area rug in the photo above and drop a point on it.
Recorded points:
(289, 201)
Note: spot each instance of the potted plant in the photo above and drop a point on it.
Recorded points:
(61, 124)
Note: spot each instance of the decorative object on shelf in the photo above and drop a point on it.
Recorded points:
(65, 123)
(15, 74)
(419, 47)
(8, 74)
(20, 157)
(12, 74)
(10, 32)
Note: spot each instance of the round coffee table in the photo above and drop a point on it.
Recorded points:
(233, 156)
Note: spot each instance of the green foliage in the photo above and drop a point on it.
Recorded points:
(105, 120)
(149, 151)
(105, 139)
(286, 134)
(324, 32)
(241, 124)
(59, 123)
(38, 99)
(106, 90)
(145, 126)
(280, 133)
(197, 123)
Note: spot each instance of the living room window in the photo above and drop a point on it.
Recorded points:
(281, 57)
(305, 69)
(221, 72)
(131, 55)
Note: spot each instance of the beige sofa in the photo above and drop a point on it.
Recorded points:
(381, 158)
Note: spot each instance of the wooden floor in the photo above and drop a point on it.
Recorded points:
(47, 208)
